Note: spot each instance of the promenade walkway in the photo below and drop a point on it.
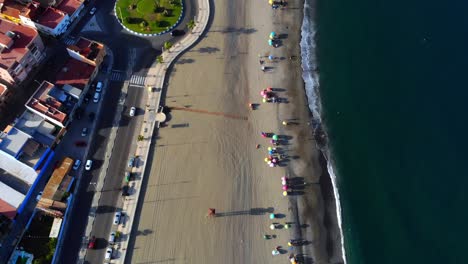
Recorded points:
(155, 83)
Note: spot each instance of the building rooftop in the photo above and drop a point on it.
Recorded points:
(3, 89)
(50, 18)
(15, 9)
(50, 101)
(13, 141)
(55, 181)
(14, 40)
(69, 6)
(75, 73)
(87, 48)
(38, 127)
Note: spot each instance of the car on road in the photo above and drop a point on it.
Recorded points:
(92, 243)
(89, 164)
(78, 113)
(117, 218)
(39, 196)
(112, 238)
(86, 98)
(91, 116)
(131, 162)
(177, 32)
(84, 132)
(93, 10)
(125, 190)
(99, 87)
(96, 97)
(108, 255)
(132, 111)
(77, 164)
(80, 143)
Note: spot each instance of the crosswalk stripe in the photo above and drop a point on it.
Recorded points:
(140, 80)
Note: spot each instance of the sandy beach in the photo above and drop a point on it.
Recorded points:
(206, 156)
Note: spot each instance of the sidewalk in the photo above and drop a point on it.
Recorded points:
(155, 82)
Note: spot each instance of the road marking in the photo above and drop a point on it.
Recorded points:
(118, 76)
(136, 79)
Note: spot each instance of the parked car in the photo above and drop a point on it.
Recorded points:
(125, 190)
(39, 196)
(108, 255)
(132, 111)
(117, 218)
(93, 10)
(80, 143)
(91, 116)
(89, 164)
(77, 164)
(96, 97)
(177, 32)
(131, 162)
(112, 238)
(84, 132)
(99, 87)
(92, 243)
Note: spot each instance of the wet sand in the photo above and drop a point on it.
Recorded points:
(206, 156)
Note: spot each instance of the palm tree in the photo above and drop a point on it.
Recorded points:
(160, 59)
(191, 24)
(140, 138)
(167, 45)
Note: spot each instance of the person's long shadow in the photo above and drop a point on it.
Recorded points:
(252, 211)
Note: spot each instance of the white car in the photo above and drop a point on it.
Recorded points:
(84, 132)
(112, 238)
(39, 196)
(132, 111)
(96, 97)
(77, 164)
(117, 218)
(93, 10)
(89, 164)
(99, 87)
(108, 255)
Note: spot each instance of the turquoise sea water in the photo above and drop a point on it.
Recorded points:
(394, 92)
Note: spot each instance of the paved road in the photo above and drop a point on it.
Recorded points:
(145, 51)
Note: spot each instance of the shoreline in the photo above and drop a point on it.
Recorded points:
(331, 226)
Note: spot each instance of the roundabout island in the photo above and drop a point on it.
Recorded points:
(149, 17)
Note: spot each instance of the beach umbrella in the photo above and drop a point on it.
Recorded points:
(272, 226)
(264, 100)
(272, 216)
(262, 92)
(285, 188)
(266, 160)
(285, 193)
(270, 42)
(283, 182)
(269, 89)
(271, 57)
(287, 226)
(269, 148)
(271, 2)
(272, 35)
(275, 252)
(272, 165)
(275, 137)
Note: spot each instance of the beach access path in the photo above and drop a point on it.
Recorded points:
(206, 156)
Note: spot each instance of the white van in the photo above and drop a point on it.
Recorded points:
(99, 87)
(97, 96)
(108, 255)
(88, 165)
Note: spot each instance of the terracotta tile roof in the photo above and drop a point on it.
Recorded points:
(43, 103)
(50, 18)
(75, 73)
(23, 37)
(69, 6)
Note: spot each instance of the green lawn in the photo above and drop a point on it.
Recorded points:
(148, 16)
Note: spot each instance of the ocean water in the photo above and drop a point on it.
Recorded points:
(393, 92)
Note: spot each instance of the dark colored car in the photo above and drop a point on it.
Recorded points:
(80, 143)
(78, 113)
(125, 190)
(86, 98)
(91, 116)
(177, 32)
(92, 243)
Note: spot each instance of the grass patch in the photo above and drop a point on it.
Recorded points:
(148, 16)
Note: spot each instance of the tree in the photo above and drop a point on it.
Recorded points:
(140, 138)
(167, 45)
(191, 24)
(160, 59)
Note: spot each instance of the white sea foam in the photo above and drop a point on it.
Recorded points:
(311, 80)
